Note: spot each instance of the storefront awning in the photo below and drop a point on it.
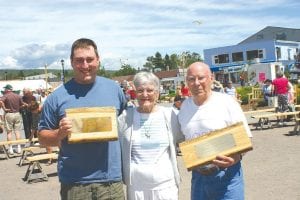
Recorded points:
(216, 68)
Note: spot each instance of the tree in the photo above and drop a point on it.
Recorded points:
(126, 69)
(187, 58)
(158, 62)
(173, 61)
(167, 62)
(149, 64)
(21, 74)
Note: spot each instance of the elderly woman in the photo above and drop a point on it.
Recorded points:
(148, 145)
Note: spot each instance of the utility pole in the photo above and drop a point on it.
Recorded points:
(63, 70)
(46, 78)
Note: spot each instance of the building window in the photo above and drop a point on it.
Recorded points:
(278, 53)
(223, 58)
(251, 55)
(280, 36)
(237, 56)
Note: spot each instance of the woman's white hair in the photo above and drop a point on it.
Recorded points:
(143, 77)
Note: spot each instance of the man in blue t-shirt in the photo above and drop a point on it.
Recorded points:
(91, 169)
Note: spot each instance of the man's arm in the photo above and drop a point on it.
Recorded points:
(54, 137)
(227, 161)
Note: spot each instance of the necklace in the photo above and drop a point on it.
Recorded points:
(147, 134)
(146, 126)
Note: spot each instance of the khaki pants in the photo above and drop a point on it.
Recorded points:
(92, 191)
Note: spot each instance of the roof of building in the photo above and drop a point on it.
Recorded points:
(120, 79)
(274, 33)
(166, 74)
(160, 75)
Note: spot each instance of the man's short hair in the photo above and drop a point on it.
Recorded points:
(279, 73)
(83, 43)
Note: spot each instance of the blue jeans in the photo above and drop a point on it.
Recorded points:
(223, 185)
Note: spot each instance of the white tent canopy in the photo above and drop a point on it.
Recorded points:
(21, 84)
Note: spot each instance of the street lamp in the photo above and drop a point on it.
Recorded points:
(63, 70)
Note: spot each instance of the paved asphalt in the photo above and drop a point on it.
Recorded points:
(271, 171)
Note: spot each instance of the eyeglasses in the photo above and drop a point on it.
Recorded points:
(192, 79)
(141, 91)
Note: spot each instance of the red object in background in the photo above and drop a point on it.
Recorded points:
(185, 91)
(261, 77)
(132, 94)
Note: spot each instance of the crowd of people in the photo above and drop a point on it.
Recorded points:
(20, 111)
(144, 156)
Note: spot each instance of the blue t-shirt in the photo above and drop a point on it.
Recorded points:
(85, 162)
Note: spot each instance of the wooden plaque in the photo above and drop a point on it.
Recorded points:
(92, 124)
(203, 149)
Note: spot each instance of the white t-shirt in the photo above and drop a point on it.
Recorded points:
(219, 111)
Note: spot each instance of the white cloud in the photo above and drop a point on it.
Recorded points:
(36, 33)
(9, 63)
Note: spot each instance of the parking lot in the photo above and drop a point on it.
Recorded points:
(271, 171)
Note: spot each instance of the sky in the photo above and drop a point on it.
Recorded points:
(36, 33)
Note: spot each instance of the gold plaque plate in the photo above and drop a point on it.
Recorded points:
(227, 141)
(92, 124)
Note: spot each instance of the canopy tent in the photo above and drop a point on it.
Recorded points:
(19, 85)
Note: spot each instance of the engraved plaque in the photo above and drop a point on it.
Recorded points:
(92, 124)
(214, 146)
(226, 141)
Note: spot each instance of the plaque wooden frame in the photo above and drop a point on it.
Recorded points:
(226, 141)
(94, 124)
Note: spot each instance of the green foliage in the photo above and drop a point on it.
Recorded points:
(158, 62)
(103, 72)
(243, 92)
(187, 58)
(125, 70)
(173, 62)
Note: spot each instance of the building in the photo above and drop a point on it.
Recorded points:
(168, 79)
(19, 85)
(41, 76)
(271, 44)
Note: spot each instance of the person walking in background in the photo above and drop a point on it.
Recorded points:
(199, 115)
(280, 88)
(12, 104)
(148, 145)
(230, 90)
(85, 170)
(184, 90)
(25, 111)
(34, 109)
(43, 97)
(175, 109)
(291, 97)
(267, 91)
(1, 116)
(217, 86)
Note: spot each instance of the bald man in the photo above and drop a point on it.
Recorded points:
(201, 113)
